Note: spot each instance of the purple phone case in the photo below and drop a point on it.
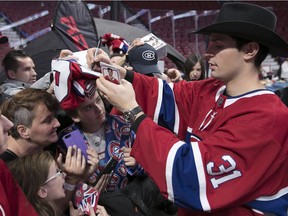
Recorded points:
(76, 138)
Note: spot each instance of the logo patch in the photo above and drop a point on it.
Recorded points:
(148, 55)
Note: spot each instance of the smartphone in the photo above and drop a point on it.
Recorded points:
(110, 73)
(109, 167)
(76, 138)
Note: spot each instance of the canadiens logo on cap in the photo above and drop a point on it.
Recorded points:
(144, 59)
(148, 55)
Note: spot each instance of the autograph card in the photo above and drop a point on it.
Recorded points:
(110, 73)
(159, 45)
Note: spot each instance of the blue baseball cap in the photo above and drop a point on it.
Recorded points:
(144, 59)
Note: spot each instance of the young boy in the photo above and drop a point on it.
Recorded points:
(109, 135)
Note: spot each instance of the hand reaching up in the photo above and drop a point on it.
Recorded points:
(74, 165)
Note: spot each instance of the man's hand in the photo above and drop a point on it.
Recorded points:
(135, 42)
(174, 75)
(122, 96)
(65, 54)
(101, 56)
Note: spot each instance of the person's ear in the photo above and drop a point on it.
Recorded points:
(251, 50)
(42, 193)
(11, 74)
(23, 131)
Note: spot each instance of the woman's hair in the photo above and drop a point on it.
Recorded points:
(190, 62)
(20, 109)
(31, 172)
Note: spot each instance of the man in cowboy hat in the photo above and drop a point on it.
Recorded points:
(216, 146)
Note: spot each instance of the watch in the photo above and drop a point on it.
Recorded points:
(129, 116)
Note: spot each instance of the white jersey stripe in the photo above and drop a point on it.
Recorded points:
(280, 193)
(169, 168)
(230, 101)
(177, 117)
(159, 101)
(201, 176)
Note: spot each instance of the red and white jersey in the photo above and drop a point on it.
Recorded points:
(210, 153)
(13, 201)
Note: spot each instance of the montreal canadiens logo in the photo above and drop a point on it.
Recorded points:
(125, 130)
(148, 55)
(114, 150)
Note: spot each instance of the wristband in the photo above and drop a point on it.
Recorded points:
(69, 187)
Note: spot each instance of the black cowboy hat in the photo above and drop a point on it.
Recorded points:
(251, 22)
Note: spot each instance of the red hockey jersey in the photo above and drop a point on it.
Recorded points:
(13, 201)
(210, 153)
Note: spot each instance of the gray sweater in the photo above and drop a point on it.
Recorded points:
(11, 87)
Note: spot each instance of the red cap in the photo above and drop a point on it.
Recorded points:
(117, 42)
(72, 83)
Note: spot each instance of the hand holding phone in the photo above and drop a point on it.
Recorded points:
(109, 167)
(76, 138)
(102, 183)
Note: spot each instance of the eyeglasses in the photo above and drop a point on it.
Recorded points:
(58, 173)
